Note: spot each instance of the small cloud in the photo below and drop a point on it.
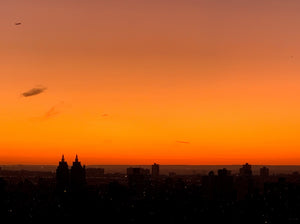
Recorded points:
(102, 116)
(34, 91)
(183, 142)
(50, 113)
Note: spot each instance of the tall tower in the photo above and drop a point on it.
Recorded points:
(62, 175)
(155, 170)
(78, 179)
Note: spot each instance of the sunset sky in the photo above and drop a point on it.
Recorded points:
(137, 81)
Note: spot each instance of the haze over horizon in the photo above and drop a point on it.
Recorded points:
(137, 82)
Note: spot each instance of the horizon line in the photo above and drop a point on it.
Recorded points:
(156, 163)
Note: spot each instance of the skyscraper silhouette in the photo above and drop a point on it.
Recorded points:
(78, 179)
(62, 175)
(155, 170)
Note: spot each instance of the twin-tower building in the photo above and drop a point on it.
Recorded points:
(73, 179)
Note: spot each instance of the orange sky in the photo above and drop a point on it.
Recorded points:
(137, 82)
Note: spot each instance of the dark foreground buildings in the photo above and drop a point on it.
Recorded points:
(72, 195)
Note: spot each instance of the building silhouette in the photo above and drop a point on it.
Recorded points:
(62, 175)
(137, 171)
(155, 170)
(78, 177)
(246, 170)
(219, 187)
(224, 185)
(224, 172)
(138, 178)
(264, 172)
(245, 182)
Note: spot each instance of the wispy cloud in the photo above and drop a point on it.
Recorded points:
(51, 113)
(34, 91)
(183, 142)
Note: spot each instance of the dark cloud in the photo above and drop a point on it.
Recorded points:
(34, 91)
(183, 142)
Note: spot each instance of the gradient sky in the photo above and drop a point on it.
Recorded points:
(137, 82)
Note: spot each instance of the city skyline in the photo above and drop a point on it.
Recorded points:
(138, 82)
(146, 195)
